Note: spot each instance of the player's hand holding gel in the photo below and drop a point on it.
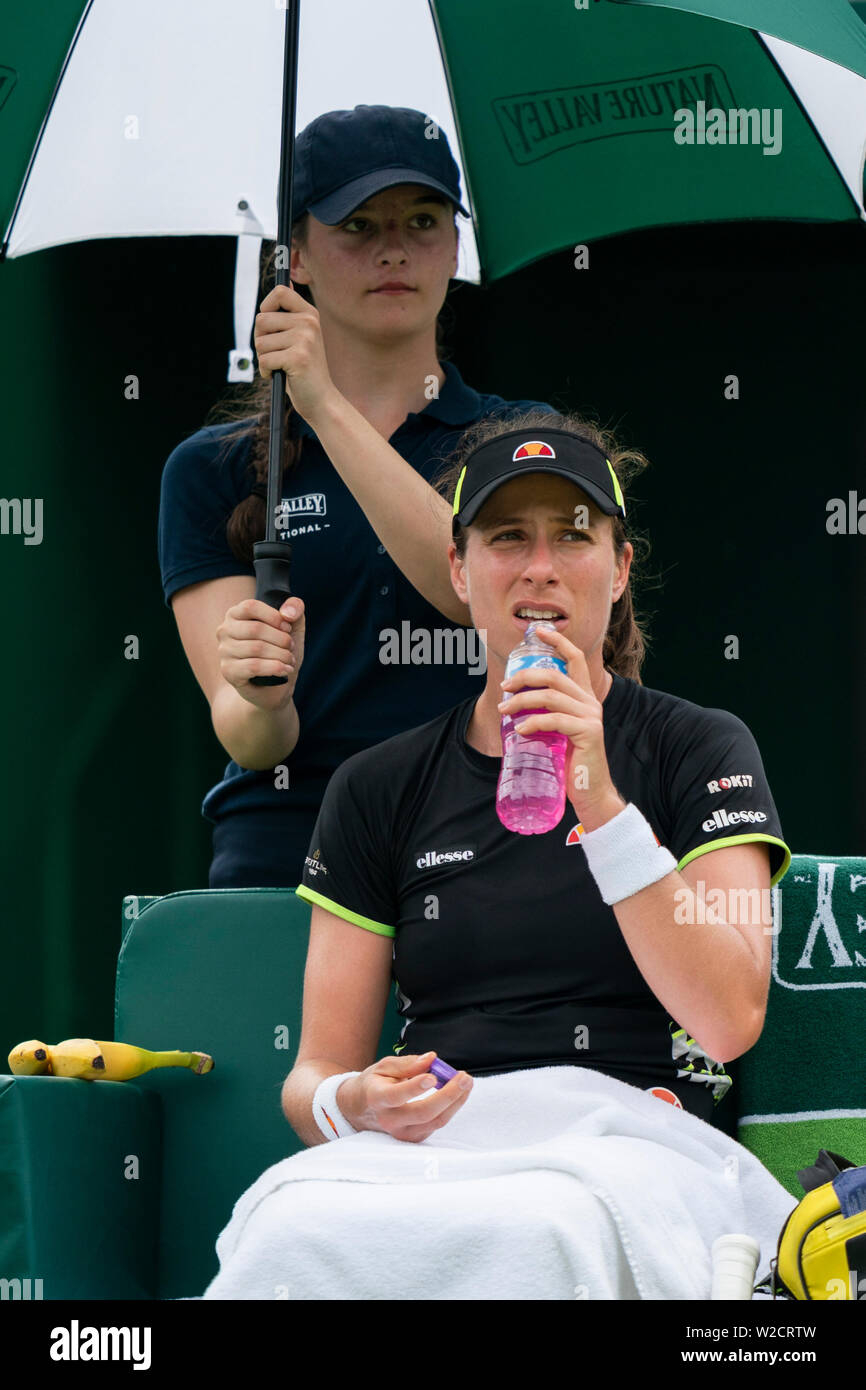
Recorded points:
(442, 1072)
(396, 1096)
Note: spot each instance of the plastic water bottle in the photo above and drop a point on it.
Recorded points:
(530, 794)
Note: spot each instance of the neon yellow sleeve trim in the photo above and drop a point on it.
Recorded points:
(310, 896)
(742, 840)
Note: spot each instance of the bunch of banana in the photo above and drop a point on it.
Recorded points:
(98, 1061)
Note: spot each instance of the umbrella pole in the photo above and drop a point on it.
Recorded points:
(271, 557)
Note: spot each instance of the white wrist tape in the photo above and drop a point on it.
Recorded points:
(624, 857)
(326, 1112)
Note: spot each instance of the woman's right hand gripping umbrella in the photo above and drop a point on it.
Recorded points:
(253, 638)
(257, 640)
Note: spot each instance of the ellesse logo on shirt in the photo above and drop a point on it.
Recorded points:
(719, 819)
(435, 858)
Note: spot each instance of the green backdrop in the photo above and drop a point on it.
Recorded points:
(105, 760)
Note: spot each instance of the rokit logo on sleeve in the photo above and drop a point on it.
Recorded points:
(437, 858)
(719, 819)
(737, 779)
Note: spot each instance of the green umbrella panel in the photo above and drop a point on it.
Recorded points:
(621, 116)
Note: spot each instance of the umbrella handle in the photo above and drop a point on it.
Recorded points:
(271, 564)
(271, 557)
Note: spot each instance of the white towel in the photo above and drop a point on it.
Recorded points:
(549, 1183)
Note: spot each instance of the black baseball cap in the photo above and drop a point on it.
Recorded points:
(520, 451)
(343, 157)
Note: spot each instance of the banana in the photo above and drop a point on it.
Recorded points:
(29, 1059)
(122, 1061)
(88, 1060)
(77, 1057)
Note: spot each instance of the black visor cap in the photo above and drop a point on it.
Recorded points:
(516, 452)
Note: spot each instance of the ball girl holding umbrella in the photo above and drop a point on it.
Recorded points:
(373, 413)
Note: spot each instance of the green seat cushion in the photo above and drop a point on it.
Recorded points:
(218, 971)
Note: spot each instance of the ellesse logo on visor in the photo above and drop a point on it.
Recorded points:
(533, 448)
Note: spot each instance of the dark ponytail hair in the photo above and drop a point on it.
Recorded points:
(250, 407)
(626, 640)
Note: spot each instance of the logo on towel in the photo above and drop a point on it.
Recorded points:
(822, 945)
(664, 1094)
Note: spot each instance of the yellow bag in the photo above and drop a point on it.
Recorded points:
(822, 1246)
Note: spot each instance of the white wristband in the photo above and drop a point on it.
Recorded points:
(326, 1112)
(624, 856)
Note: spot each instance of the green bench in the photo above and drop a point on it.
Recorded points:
(111, 1190)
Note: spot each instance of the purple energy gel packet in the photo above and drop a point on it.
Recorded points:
(443, 1072)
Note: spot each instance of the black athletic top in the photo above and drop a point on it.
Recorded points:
(505, 955)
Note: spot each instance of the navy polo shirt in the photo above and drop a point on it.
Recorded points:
(358, 605)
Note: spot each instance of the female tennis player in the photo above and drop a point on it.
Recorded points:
(373, 413)
(586, 985)
(593, 944)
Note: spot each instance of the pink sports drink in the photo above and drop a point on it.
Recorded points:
(530, 794)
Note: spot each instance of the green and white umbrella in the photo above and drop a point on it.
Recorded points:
(569, 118)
